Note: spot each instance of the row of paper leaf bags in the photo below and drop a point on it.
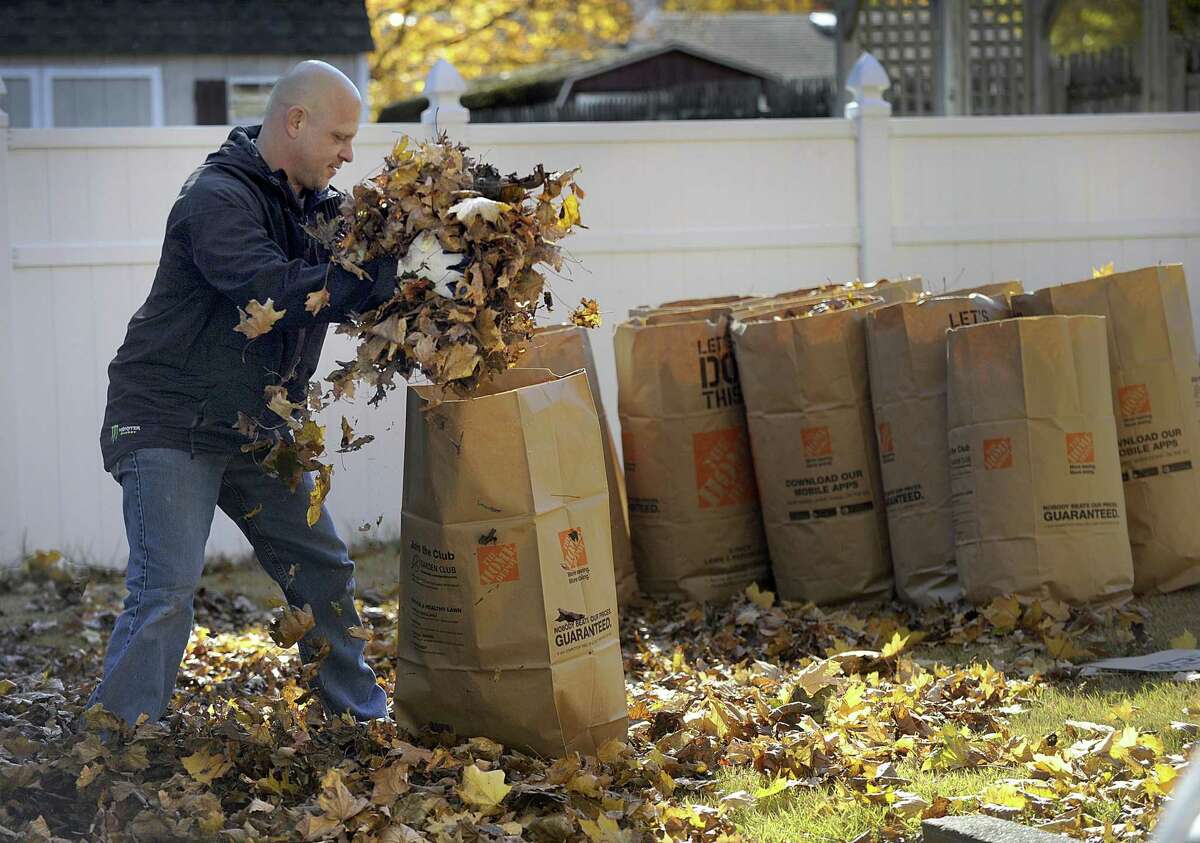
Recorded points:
(866, 438)
(844, 441)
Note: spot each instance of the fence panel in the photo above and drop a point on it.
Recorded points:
(674, 209)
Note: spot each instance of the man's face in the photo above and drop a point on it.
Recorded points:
(325, 141)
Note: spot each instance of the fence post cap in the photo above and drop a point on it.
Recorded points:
(444, 87)
(444, 78)
(867, 81)
(867, 76)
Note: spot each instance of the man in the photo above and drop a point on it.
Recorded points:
(182, 375)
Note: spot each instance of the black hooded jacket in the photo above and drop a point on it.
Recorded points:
(234, 234)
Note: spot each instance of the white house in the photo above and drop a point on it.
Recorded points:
(72, 63)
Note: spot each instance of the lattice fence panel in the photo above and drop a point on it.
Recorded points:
(996, 57)
(902, 36)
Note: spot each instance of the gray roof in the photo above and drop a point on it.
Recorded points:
(783, 45)
(141, 27)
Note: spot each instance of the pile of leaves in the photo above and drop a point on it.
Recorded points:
(836, 701)
(469, 244)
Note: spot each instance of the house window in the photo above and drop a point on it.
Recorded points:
(18, 99)
(247, 99)
(84, 96)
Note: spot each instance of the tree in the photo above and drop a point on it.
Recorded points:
(1089, 25)
(484, 37)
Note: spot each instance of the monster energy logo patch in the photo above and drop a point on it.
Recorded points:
(119, 430)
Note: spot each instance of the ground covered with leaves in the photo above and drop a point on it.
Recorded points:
(748, 720)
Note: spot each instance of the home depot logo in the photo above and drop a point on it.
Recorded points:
(1134, 401)
(887, 447)
(997, 453)
(1081, 453)
(817, 442)
(497, 563)
(1081, 448)
(573, 550)
(724, 471)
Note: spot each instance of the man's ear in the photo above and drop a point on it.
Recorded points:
(296, 117)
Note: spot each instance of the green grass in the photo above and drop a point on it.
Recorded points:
(819, 815)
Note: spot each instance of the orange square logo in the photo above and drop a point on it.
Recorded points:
(573, 550)
(817, 442)
(1081, 448)
(886, 446)
(1134, 400)
(997, 453)
(497, 563)
(724, 469)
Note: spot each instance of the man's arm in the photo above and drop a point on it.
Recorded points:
(235, 254)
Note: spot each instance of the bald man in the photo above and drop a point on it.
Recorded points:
(182, 375)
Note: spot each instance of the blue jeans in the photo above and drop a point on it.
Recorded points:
(169, 501)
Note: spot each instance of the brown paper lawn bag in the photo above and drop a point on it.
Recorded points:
(508, 605)
(1034, 471)
(694, 516)
(809, 409)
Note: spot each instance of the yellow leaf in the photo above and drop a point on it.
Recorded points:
(568, 214)
(258, 318)
(1005, 795)
(604, 829)
(316, 497)
(1100, 272)
(1003, 613)
(894, 647)
(586, 783)
(483, 790)
(205, 767)
(778, 786)
(1184, 641)
(1165, 776)
(759, 597)
(1052, 764)
(317, 301)
(611, 751)
(1124, 710)
(587, 315)
(362, 633)
(1062, 647)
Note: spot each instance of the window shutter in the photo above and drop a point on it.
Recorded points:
(211, 107)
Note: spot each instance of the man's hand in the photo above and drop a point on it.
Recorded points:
(427, 259)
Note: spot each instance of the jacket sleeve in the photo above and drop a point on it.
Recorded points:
(236, 255)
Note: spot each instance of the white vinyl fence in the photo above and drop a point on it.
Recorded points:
(674, 209)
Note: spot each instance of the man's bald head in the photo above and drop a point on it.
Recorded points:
(314, 85)
(312, 118)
